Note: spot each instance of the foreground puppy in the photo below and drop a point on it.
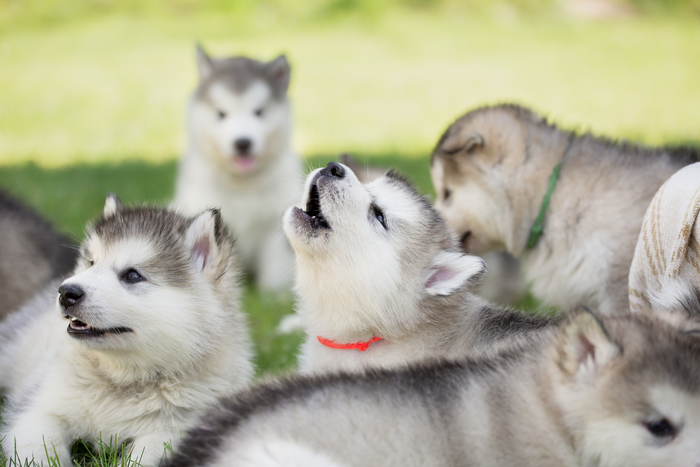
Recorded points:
(595, 391)
(239, 157)
(31, 253)
(154, 336)
(570, 207)
(381, 279)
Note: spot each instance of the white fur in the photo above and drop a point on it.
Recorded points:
(358, 280)
(277, 453)
(188, 347)
(252, 200)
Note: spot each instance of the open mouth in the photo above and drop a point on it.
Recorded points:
(79, 329)
(313, 210)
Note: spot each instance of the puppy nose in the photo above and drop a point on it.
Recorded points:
(70, 295)
(334, 170)
(242, 144)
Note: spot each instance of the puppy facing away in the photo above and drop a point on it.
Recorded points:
(239, 158)
(594, 391)
(31, 253)
(143, 337)
(382, 281)
(502, 172)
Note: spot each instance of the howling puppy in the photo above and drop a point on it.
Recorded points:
(593, 392)
(143, 337)
(569, 206)
(381, 279)
(239, 158)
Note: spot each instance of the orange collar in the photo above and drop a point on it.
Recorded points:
(361, 346)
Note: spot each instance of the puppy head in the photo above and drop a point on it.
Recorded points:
(475, 168)
(368, 255)
(149, 284)
(629, 388)
(239, 113)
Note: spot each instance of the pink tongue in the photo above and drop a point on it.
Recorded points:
(244, 163)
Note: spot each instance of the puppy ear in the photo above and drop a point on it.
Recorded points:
(585, 345)
(458, 141)
(205, 65)
(278, 72)
(203, 241)
(451, 270)
(112, 205)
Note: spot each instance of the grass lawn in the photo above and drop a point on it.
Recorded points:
(96, 104)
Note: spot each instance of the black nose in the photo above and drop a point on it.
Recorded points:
(243, 145)
(70, 295)
(334, 169)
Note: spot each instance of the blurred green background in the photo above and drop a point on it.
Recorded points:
(93, 92)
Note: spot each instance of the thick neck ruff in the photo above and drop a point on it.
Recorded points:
(537, 230)
(361, 346)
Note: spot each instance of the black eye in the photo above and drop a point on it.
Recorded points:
(661, 428)
(379, 215)
(91, 263)
(221, 114)
(447, 193)
(132, 277)
(260, 112)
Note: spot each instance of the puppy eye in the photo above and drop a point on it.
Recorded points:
(661, 428)
(260, 112)
(221, 114)
(447, 193)
(380, 216)
(132, 277)
(90, 263)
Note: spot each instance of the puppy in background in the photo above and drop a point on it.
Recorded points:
(239, 158)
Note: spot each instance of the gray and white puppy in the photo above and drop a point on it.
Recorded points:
(492, 169)
(144, 336)
(382, 281)
(31, 253)
(594, 392)
(239, 157)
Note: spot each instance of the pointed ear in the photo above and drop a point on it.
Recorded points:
(278, 72)
(451, 270)
(205, 65)
(204, 241)
(459, 141)
(112, 205)
(585, 345)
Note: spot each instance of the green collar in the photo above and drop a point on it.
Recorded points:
(537, 230)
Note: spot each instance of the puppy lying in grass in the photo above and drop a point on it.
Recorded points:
(144, 336)
(594, 391)
(381, 280)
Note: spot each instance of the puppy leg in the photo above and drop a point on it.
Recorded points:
(275, 262)
(35, 434)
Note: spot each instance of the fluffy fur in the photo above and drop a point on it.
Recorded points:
(154, 337)
(491, 170)
(377, 260)
(239, 158)
(31, 253)
(596, 392)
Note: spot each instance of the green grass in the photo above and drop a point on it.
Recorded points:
(93, 94)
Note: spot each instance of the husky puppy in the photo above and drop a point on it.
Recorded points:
(594, 391)
(494, 171)
(31, 253)
(381, 279)
(503, 282)
(154, 336)
(239, 157)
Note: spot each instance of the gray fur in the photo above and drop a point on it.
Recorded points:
(358, 279)
(507, 409)
(31, 253)
(491, 188)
